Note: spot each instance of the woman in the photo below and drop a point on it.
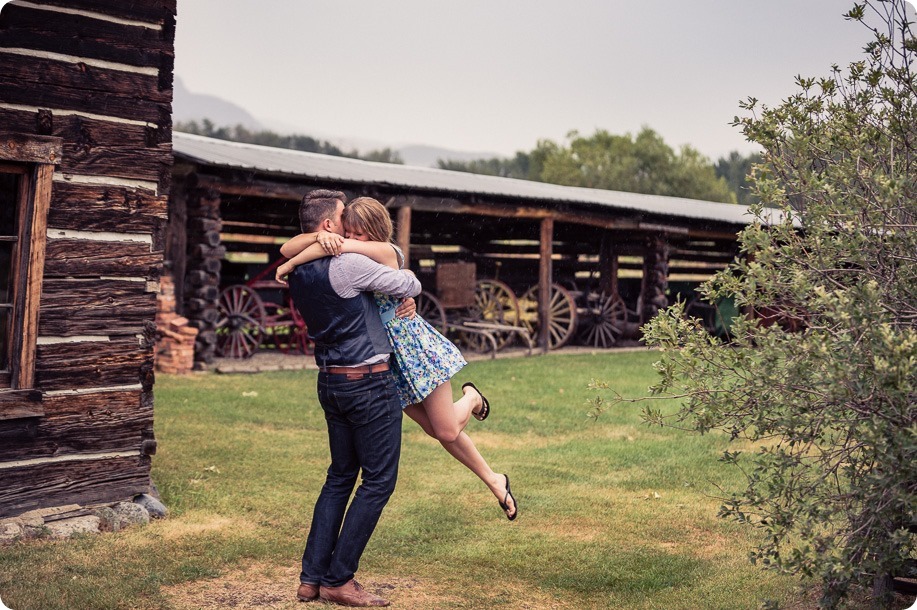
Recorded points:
(426, 361)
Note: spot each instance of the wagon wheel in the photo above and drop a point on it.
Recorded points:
(431, 310)
(300, 334)
(496, 303)
(561, 314)
(240, 326)
(292, 336)
(604, 319)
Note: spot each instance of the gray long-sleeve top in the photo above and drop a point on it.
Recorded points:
(350, 274)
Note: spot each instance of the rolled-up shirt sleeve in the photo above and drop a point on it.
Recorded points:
(352, 273)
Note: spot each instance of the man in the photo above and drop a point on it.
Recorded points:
(357, 393)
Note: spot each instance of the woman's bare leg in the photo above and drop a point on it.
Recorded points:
(449, 418)
(438, 417)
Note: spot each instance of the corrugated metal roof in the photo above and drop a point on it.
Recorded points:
(319, 167)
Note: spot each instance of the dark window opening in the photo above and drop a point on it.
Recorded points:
(9, 244)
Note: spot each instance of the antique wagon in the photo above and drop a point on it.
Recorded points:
(259, 313)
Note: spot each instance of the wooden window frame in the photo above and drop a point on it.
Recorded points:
(34, 158)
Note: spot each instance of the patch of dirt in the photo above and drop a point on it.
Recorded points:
(263, 587)
(181, 528)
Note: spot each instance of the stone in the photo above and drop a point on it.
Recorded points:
(109, 521)
(130, 513)
(153, 506)
(30, 520)
(11, 530)
(77, 525)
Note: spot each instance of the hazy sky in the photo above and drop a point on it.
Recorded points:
(497, 76)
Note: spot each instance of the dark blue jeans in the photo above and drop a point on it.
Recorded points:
(364, 433)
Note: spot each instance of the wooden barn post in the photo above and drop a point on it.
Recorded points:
(403, 236)
(176, 241)
(608, 266)
(545, 275)
(202, 274)
(655, 277)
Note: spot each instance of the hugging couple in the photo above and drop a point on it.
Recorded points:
(376, 359)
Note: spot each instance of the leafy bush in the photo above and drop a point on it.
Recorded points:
(820, 374)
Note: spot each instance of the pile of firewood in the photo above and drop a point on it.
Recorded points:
(175, 338)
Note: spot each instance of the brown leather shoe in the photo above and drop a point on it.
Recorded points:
(351, 593)
(307, 592)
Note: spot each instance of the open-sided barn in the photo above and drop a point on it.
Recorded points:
(233, 204)
(85, 168)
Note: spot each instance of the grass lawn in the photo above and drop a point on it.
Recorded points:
(613, 514)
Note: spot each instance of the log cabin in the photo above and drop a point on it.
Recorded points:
(233, 204)
(85, 171)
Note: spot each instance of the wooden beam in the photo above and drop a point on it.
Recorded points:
(17, 404)
(702, 257)
(84, 423)
(592, 219)
(85, 306)
(41, 193)
(153, 12)
(403, 238)
(499, 210)
(80, 481)
(84, 258)
(176, 242)
(256, 188)
(33, 28)
(248, 238)
(608, 266)
(545, 275)
(274, 228)
(31, 149)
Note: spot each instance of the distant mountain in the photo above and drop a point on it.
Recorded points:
(188, 106)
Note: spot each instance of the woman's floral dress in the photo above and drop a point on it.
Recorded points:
(424, 358)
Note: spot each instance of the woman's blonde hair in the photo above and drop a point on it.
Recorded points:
(369, 216)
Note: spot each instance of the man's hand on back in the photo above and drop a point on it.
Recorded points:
(407, 309)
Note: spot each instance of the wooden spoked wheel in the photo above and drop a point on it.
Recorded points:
(431, 310)
(240, 326)
(292, 337)
(300, 342)
(561, 314)
(496, 303)
(602, 321)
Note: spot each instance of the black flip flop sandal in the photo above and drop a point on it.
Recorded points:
(485, 406)
(505, 506)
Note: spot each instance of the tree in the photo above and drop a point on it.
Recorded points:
(382, 155)
(520, 166)
(735, 169)
(240, 133)
(832, 487)
(641, 164)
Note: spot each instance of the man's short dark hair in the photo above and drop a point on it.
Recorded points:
(318, 205)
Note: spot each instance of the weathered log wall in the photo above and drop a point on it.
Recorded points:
(202, 272)
(98, 75)
(655, 278)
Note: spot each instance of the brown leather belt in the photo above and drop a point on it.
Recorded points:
(355, 372)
